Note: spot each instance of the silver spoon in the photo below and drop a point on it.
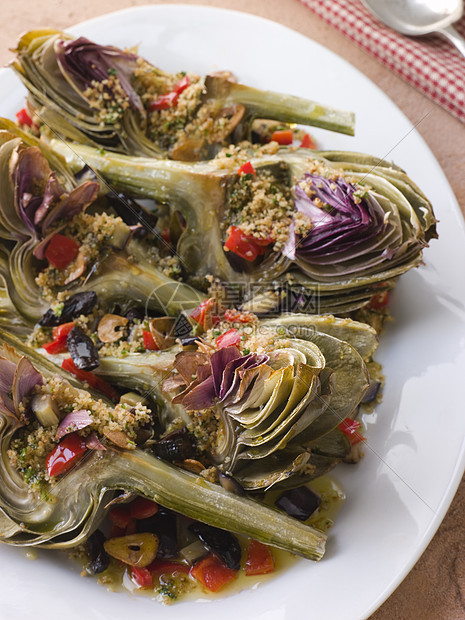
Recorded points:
(419, 17)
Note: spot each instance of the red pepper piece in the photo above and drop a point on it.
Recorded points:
(95, 382)
(164, 567)
(164, 102)
(204, 312)
(234, 316)
(379, 301)
(65, 455)
(182, 84)
(350, 428)
(246, 168)
(60, 332)
(59, 343)
(55, 346)
(120, 515)
(259, 559)
(229, 339)
(169, 100)
(149, 341)
(245, 246)
(212, 573)
(283, 137)
(142, 577)
(307, 142)
(24, 118)
(61, 251)
(143, 508)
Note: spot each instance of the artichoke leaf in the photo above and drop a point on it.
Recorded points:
(334, 444)
(317, 466)
(305, 384)
(74, 504)
(276, 389)
(361, 336)
(273, 471)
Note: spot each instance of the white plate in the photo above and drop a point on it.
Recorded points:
(399, 493)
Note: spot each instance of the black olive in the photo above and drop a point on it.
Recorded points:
(230, 484)
(176, 446)
(164, 525)
(220, 542)
(132, 213)
(299, 503)
(82, 350)
(99, 560)
(77, 304)
(136, 313)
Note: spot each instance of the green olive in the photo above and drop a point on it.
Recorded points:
(136, 549)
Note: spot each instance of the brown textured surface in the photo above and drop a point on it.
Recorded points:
(435, 588)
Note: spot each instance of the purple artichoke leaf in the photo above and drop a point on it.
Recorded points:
(187, 363)
(229, 374)
(219, 360)
(26, 377)
(85, 62)
(258, 359)
(53, 192)
(173, 383)
(201, 397)
(7, 373)
(345, 253)
(241, 380)
(348, 227)
(203, 372)
(30, 175)
(71, 204)
(179, 398)
(39, 249)
(237, 377)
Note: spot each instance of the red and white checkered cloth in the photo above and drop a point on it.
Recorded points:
(431, 63)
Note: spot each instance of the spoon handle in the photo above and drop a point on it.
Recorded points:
(454, 37)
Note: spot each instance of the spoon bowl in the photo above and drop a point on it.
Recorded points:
(420, 17)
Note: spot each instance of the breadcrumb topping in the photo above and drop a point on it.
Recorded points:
(262, 206)
(109, 98)
(34, 442)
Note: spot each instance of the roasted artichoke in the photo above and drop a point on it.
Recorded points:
(336, 227)
(37, 204)
(65, 513)
(272, 393)
(105, 96)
